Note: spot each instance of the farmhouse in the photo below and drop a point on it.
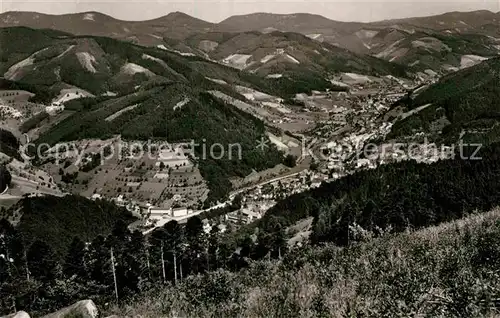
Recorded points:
(173, 159)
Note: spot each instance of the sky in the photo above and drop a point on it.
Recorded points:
(216, 11)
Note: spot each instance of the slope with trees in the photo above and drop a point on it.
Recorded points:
(204, 120)
(448, 270)
(100, 64)
(467, 101)
(57, 220)
(9, 144)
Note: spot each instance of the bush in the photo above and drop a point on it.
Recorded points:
(5, 178)
(290, 161)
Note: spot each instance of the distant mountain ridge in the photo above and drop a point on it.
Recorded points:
(463, 21)
(150, 32)
(299, 22)
(179, 25)
(440, 43)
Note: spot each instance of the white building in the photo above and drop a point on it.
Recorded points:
(54, 108)
(161, 176)
(161, 213)
(172, 158)
(179, 212)
(96, 196)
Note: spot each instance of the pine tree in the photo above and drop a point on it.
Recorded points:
(100, 270)
(118, 241)
(74, 264)
(42, 262)
(280, 246)
(263, 245)
(5, 178)
(156, 243)
(213, 246)
(224, 253)
(120, 235)
(321, 225)
(278, 239)
(174, 241)
(136, 263)
(369, 215)
(195, 239)
(18, 255)
(194, 230)
(7, 236)
(247, 247)
(174, 235)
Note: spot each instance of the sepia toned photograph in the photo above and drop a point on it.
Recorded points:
(239, 158)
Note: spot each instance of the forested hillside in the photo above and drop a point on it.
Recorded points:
(98, 64)
(204, 120)
(443, 271)
(300, 54)
(57, 220)
(43, 94)
(467, 101)
(397, 196)
(430, 50)
(9, 144)
(446, 270)
(153, 81)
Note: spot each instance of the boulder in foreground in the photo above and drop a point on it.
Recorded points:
(19, 314)
(81, 309)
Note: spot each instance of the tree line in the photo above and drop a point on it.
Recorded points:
(124, 264)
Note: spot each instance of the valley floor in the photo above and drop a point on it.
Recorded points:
(451, 270)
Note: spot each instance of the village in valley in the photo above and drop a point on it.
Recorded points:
(203, 160)
(324, 132)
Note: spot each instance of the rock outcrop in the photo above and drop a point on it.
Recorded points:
(81, 309)
(19, 314)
